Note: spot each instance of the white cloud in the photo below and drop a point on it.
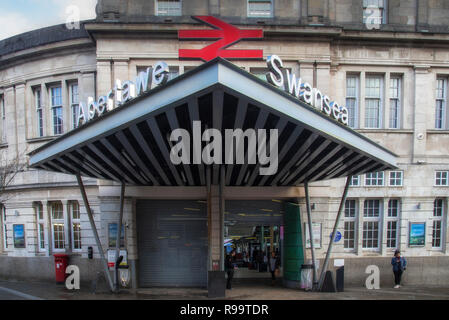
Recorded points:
(15, 23)
(86, 8)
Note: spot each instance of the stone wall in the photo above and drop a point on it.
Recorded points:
(421, 271)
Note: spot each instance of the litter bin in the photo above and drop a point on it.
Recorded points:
(61, 262)
(306, 277)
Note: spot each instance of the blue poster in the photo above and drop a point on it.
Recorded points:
(19, 235)
(417, 236)
(113, 235)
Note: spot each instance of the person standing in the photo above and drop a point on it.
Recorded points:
(273, 265)
(399, 265)
(255, 259)
(229, 267)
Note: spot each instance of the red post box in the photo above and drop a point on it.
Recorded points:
(61, 262)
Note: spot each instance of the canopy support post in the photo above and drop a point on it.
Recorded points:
(119, 236)
(95, 232)
(312, 245)
(334, 232)
(222, 209)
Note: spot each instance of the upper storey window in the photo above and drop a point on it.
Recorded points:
(168, 7)
(3, 120)
(374, 12)
(39, 111)
(441, 101)
(56, 105)
(260, 8)
(352, 99)
(74, 103)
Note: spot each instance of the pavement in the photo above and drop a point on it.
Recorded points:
(242, 290)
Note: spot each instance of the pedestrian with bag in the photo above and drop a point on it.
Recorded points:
(399, 265)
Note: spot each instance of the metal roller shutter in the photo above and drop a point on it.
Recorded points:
(172, 243)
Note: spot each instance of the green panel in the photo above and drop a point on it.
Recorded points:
(292, 225)
(292, 265)
(294, 276)
(293, 249)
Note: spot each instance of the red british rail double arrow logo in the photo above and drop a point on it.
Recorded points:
(226, 36)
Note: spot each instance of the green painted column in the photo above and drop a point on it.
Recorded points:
(293, 248)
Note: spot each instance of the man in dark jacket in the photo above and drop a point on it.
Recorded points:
(229, 268)
(399, 265)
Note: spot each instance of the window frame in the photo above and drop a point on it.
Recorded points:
(351, 219)
(384, 14)
(356, 98)
(3, 220)
(248, 9)
(398, 100)
(74, 105)
(3, 118)
(395, 178)
(374, 179)
(372, 219)
(443, 100)
(73, 222)
(37, 93)
(441, 178)
(55, 108)
(441, 218)
(393, 218)
(381, 78)
(157, 13)
(57, 222)
(40, 222)
(351, 183)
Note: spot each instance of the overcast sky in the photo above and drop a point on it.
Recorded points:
(18, 16)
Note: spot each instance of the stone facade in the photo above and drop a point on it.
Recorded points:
(324, 42)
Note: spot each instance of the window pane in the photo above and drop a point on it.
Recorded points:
(393, 208)
(41, 236)
(40, 211)
(75, 210)
(56, 98)
(259, 8)
(392, 234)
(395, 105)
(76, 236)
(58, 236)
(370, 235)
(169, 7)
(57, 120)
(373, 88)
(74, 94)
(350, 208)
(351, 100)
(349, 234)
(438, 208)
(436, 233)
(440, 108)
(57, 211)
(371, 208)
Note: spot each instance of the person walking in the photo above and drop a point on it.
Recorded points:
(399, 265)
(229, 267)
(273, 265)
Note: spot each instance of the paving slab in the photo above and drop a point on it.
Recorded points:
(242, 290)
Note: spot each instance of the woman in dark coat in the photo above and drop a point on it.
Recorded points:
(399, 265)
